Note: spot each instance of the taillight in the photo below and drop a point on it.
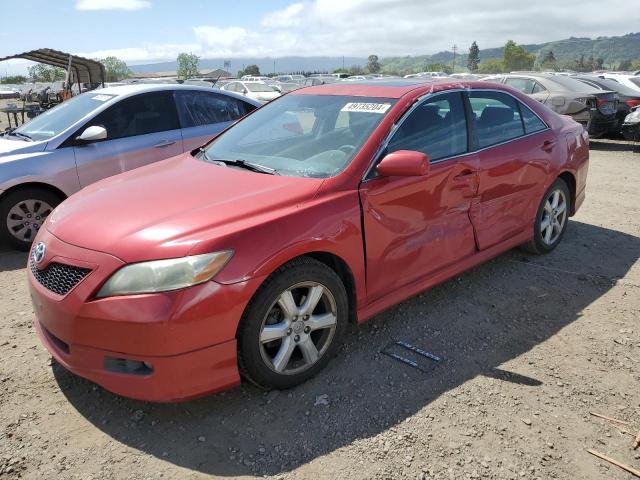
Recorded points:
(632, 103)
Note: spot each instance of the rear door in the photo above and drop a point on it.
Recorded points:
(140, 130)
(514, 148)
(203, 115)
(417, 225)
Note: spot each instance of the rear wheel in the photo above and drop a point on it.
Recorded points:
(293, 325)
(22, 213)
(552, 219)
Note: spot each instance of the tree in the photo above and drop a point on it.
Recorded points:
(517, 58)
(46, 73)
(252, 70)
(373, 65)
(473, 59)
(116, 69)
(549, 61)
(624, 65)
(491, 65)
(14, 79)
(187, 65)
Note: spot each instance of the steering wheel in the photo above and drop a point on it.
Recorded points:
(347, 149)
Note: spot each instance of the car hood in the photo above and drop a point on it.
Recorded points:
(166, 209)
(17, 146)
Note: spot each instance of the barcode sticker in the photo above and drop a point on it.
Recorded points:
(366, 107)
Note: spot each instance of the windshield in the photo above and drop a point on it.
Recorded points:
(52, 122)
(635, 80)
(303, 135)
(258, 87)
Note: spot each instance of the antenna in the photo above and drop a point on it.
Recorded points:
(453, 63)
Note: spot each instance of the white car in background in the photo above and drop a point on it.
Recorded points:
(253, 78)
(631, 81)
(259, 91)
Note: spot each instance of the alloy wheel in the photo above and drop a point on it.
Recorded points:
(26, 217)
(554, 217)
(298, 328)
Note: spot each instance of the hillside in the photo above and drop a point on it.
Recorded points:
(611, 49)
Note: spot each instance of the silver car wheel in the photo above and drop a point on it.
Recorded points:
(26, 217)
(554, 217)
(298, 328)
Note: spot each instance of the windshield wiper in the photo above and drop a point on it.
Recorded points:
(254, 167)
(21, 135)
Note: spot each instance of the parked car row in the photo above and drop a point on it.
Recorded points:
(251, 254)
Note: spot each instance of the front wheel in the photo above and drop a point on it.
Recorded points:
(552, 219)
(22, 213)
(293, 325)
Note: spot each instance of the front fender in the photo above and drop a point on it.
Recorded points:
(329, 224)
(55, 168)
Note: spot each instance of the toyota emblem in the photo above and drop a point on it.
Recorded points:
(38, 252)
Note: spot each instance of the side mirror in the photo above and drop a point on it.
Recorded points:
(404, 163)
(244, 91)
(93, 133)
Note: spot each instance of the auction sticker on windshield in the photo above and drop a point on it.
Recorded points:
(366, 107)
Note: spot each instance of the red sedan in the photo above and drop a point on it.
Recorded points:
(327, 206)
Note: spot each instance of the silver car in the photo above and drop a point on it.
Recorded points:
(98, 134)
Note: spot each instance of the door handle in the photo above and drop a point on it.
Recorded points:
(164, 143)
(548, 145)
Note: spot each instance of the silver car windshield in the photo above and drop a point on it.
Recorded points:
(58, 119)
(303, 135)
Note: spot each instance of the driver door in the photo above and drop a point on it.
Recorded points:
(140, 130)
(415, 226)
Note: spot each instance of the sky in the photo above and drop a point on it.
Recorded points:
(149, 31)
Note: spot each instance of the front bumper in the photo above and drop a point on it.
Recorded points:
(631, 131)
(187, 336)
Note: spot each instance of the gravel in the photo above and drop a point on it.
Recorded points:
(530, 346)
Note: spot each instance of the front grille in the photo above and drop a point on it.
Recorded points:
(58, 277)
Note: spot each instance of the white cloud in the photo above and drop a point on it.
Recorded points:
(391, 27)
(288, 17)
(112, 4)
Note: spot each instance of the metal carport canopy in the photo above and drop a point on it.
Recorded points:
(85, 69)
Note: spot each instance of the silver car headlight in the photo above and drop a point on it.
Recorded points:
(633, 117)
(165, 275)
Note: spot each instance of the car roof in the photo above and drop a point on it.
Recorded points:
(393, 88)
(136, 88)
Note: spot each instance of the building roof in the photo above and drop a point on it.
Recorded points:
(85, 70)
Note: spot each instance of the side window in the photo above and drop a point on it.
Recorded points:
(525, 85)
(203, 108)
(531, 121)
(437, 127)
(139, 115)
(496, 118)
(537, 88)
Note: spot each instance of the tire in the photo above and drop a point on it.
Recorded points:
(547, 238)
(272, 327)
(29, 205)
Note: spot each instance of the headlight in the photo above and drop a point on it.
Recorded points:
(633, 117)
(165, 275)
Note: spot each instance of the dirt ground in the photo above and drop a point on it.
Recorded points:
(530, 346)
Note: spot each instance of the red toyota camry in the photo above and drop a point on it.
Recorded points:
(248, 257)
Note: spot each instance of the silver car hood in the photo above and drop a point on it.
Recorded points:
(16, 146)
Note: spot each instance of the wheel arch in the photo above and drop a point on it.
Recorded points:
(570, 180)
(44, 186)
(335, 263)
